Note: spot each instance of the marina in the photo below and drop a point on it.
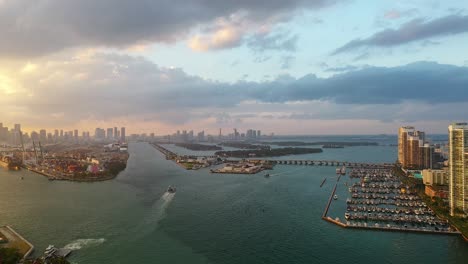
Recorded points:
(380, 201)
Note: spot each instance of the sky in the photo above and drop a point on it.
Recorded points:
(284, 67)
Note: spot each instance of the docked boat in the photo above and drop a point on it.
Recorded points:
(171, 189)
(343, 170)
(335, 197)
(50, 250)
(347, 215)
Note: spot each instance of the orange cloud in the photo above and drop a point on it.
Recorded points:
(222, 38)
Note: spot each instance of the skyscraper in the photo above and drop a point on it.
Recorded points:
(458, 167)
(413, 151)
(43, 136)
(110, 133)
(17, 134)
(403, 143)
(122, 134)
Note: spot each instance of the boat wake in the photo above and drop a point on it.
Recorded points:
(159, 208)
(155, 214)
(84, 243)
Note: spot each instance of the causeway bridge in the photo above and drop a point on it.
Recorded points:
(348, 164)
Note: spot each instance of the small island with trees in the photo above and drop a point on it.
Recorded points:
(324, 143)
(198, 147)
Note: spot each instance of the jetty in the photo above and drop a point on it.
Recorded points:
(323, 182)
(9, 238)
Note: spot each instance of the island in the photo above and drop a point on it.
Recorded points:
(267, 152)
(243, 145)
(78, 162)
(325, 143)
(198, 147)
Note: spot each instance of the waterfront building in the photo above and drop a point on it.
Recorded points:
(436, 191)
(435, 177)
(458, 167)
(403, 133)
(413, 151)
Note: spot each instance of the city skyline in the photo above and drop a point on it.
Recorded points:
(295, 67)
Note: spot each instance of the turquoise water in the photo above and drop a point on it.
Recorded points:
(213, 218)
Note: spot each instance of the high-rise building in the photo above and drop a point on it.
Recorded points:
(110, 133)
(122, 134)
(3, 132)
(17, 134)
(458, 167)
(43, 135)
(201, 136)
(403, 133)
(413, 151)
(116, 133)
(34, 136)
(99, 133)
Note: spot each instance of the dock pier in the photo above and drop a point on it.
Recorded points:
(15, 240)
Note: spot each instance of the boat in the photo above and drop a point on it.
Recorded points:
(267, 175)
(171, 189)
(335, 196)
(343, 170)
(347, 215)
(50, 250)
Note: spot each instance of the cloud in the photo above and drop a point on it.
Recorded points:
(46, 26)
(221, 39)
(414, 30)
(106, 86)
(394, 14)
(342, 69)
